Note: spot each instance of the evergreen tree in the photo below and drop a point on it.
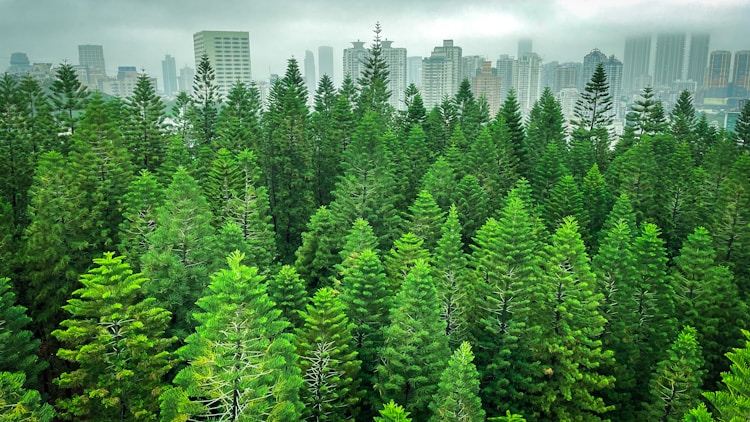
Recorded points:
(405, 253)
(373, 81)
(597, 202)
(566, 199)
(317, 256)
(451, 274)
(117, 340)
(416, 347)
(457, 398)
(548, 171)
(20, 404)
(742, 128)
(468, 110)
(8, 245)
(222, 183)
(473, 206)
(287, 290)
(648, 113)
(511, 114)
(392, 412)
(69, 97)
(327, 147)
(683, 118)
(546, 125)
(143, 196)
(40, 130)
(18, 347)
(635, 174)
(425, 219)
(594, 108)
(327, 359)
(238, 122)
(440, 181)
(240, 364)
(676, 387)
(204, 110)
(145, 132)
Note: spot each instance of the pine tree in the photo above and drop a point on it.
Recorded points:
(742, 128)
(683, 118)
(238, 122)
(635, 174)
(473, 206)
(546, 125)
(327, 359)
(404, 254)
(440, 181)
(40, 129)
(594, 108)
(597, 203)
(204, 110)
(451, 275)
(649, 113)
(676, 387)
(511, 114)
(116, 338)
(392, 412)
(287, 290)
(548, 171)
(18, 347)
(733, 402)
(20, 404)
(327, 146)
(416, 347)
(222, 183)
(143, 196)
(240, 364)
(69, 97)
(373, 81)
(457, 398)
(469, 112)
(566, 199)
(317, 256)
(145, 133)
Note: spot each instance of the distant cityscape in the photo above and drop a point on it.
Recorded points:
(669, 63)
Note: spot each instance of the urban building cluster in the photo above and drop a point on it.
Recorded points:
(668, 62)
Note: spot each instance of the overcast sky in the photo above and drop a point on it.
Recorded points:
(140, 32)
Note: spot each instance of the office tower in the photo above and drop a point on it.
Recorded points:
(717, 74)
(414, 71)
(354, 58)
(325, 62)
(566, 76)
(505, 73)
(310, 80)
(486, 83)
(395, 58)
(668, 64)
(185, 81)
(635, 75)
(697, 58)
(470, 65)
(441, 73)
(229, 55)
(91, 58)
(169, 75)
(524, 47)
(568, 97)
(741, 76)
(590, 62)
(124, 84)
(548, 74)
(19, 64)
(527, 80)
(614, 69)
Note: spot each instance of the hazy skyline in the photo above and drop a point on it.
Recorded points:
(561, 30)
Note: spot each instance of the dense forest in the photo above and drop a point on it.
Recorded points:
(227, 260)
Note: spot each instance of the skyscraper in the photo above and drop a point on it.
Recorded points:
(717, 74)
(310, 80)
(527, 78)
(91, 58)
(635, 74)
(741, 76)
(486, 83)
(566, 76)
(524, 47)
(505, 73)
(414, 71)
(590, 62)
(670, 55)
(614, 68)
(395, 58)
(697, 59)
(441, 73)
(229, 55)
(353, 59)
(325, 61)
(470, 65)
(169, 75)
(185, 80)
(19, 64)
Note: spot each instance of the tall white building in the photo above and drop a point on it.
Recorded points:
(527, 80)
(614, 69)
(325, 61)
(354, 58)
(229, 54)
(169, 76)
(185, 80)
(505, 73)
(395, 58)
(635, 74)
(441, 73)
(414, 71)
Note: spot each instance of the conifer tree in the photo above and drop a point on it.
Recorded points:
(635, 174)
(116, 338)
(20, 404)
(456, 152)
(548, 171)
(457, 398)
(373, 81)
(440, 181)
(683, 118)
(566, 199)
(287, 290)
(596, 200)
(40, 129)
(469, 111)
(222, 182)
(594, 109)
(425, 219)
(416, 347)
(204, 110)
(240, 363)
(404, 254)
(451, 276)
(69, 97)
(18, 347)
(392, 412)
(648, 113)
(511, 114)
(327, 359)
(327, 146)
(143, 196)
(145, 132)
(317, 256)
(473, 205)
(546, 124)
(742, 128)
(238, 122)
(8, 245)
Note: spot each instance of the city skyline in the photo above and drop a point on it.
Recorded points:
(560, 30)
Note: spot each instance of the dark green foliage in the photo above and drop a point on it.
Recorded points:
(327, 359)
(240, 364)
(546, 125)
(328, 126)
(287, 290)
(594, 108)
(451, 276)
(596, 203)
(145, 129)
(204, 110)
(469, 112)
(511, 114)
(18, 347)
(732, 403)
(143, 196)
(425, 219)
(649, 118)
(473, 205)
(440, 181)
(683, 118)
(69, 97)
(238, 122)
(317, 256)
(635, 174)
(20, 404)
(742, 128)
(406, 251)
(566, 199)
(457, 398)
(373, 82)
(549, 170)
(116, 339)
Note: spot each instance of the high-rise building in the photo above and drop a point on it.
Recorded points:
(310, 80)
(614, 68)
(527, 80)
(505, 73)
(325, 61)
(568, 97)
(19, 64)
(717, 74)
(229, 55)
(169, 75)
(635, 75)
(354, 59)
(548, 74)
(566, 76)
(741, 76)
(470, 65)
(414, 71)
(670, 55)
(124, 84)
(524, 47)
(441, 73)
(395, 58)
(185, 80)
(486, 83)
(697, 58)
(590, 62)
(91, 58)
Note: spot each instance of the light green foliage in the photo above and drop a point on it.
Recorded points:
(405, 253)
(69, 97)
(116, 339)
(508, 417)
(566, 199)
(440, 181)
(145, 131)
(544, 126)
(240, 364)
(143, 196)
(18, 404)
(392, 412)
(732, 403)
(549, 170)
(238, 122)
(596, 203)
(18, 347)
(457, 398)
(287, 290)
(451, 276)
(425, 219)
(327, 359)
(317, 257)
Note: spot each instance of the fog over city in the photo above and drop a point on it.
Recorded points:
(140, 32)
